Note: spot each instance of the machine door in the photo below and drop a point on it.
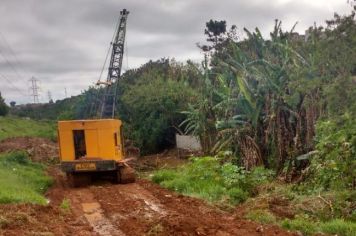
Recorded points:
(92, 142)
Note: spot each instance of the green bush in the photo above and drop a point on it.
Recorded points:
(150, 108)
(21, 180)
(18, 157)
(208, 178)
(237, 195)
(334, 166)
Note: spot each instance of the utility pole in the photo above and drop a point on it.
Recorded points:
(65, 92)
(35, 89)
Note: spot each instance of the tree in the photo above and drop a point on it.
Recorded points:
(266, 95)
(12, 103)
(215, 32)
(4, 109)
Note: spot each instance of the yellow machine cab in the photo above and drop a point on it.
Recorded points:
(92, 146)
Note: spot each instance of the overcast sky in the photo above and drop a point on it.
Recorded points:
(63, 43)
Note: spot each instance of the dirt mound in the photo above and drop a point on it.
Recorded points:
(39, 149)
(168, 159)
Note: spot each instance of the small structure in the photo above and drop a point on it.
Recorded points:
(188, 142)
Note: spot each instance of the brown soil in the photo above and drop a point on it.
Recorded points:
(141, 208)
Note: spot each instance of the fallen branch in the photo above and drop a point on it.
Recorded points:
(326, 202)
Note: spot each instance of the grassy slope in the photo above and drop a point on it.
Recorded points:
(206, 178)
(21, 180)
(20, 127)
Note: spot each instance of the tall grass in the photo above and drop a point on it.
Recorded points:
(208, 179)
(308, 226)
(21, 127)
(22, 180)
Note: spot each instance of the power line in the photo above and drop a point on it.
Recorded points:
(10, 64)
(13, 85)
(11, 50)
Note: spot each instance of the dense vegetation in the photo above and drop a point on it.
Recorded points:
(286, 103)
(61, 109)
(21, 180)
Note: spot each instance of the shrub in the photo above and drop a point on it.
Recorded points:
(334, 166)
(237, 195)
(19, 157)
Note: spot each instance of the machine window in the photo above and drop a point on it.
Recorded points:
(79, 144)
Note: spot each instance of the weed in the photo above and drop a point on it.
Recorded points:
(155, 230)
(65, 205)
(301, 223)
(261, 216)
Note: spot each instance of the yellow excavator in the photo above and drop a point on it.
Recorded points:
(95, 146)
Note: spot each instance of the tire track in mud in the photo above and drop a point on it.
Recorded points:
(87, 207)
(144, 208)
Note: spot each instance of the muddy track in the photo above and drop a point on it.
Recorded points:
(143, 208)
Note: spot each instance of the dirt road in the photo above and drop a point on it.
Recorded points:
(141, 208)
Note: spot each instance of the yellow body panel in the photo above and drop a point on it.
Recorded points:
(102, 138)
